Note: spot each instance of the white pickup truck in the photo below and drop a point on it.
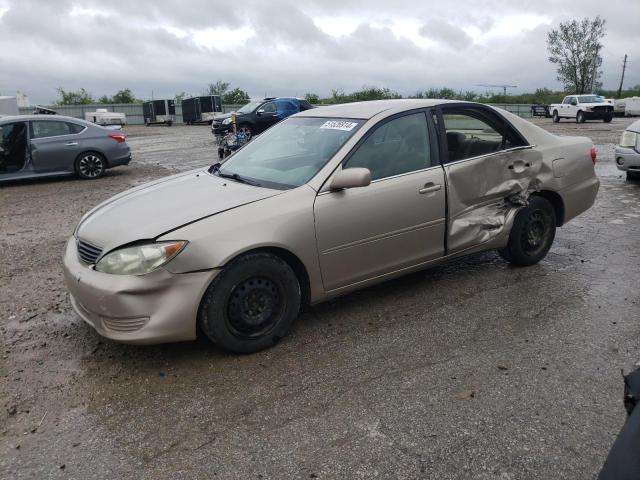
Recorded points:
(581, 108)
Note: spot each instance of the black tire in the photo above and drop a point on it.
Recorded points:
(248, 131)
(580, 118)
(532, 233)
(556, 117)
(251, 304)
(169, 123)
(632, 176)
(90, 165)
(607, 119)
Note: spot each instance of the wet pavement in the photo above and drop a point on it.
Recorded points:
(474, 369)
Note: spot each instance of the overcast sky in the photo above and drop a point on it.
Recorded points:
(282, 48)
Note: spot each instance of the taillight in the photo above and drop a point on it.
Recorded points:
(594, 154)
(118, 137)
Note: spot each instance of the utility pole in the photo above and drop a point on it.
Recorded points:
(624, 67)
(595, 69)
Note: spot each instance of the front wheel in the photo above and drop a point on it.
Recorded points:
(607, 119)
(580, 118)
(90, 165)
(251, 304)
(532, 233)
(246, 131)
(556, 117)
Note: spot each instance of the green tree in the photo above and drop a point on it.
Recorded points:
(312, 98)
(104, 99)
(181, 96)
(124, 96)
(218, 88)
(575, 48)
(80, 97)
(235, 97)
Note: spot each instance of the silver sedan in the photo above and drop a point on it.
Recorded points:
(53, 145)
(628, 152)
(327, 201)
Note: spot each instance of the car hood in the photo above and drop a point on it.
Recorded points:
(154, 209)
(223, 116)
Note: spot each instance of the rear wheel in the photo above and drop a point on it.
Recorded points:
(580, 118)
(556, 117)
(607, 119)
(90, 165)
(532, 233)
(251, 304)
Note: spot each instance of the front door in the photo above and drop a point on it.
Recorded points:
(396, 222)
(13, 147)
(489, 169)
(54, 145)
(266, 115)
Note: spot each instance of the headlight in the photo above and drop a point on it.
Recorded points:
(227, 121)
(140, 259)
(629, 139)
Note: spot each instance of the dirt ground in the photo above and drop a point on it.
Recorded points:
(474, 369)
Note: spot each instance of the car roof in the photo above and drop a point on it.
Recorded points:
(369, 109)
(26, 118)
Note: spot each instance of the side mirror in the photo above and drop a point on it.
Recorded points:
(260, 111)
(574, 103)
(351, 178)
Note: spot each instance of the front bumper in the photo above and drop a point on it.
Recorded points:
(217, 129)
(598, 114)
(154, 308)
(627, 159)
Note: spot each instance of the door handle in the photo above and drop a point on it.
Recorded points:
(429, 188)
(71, 144)
(524, 165)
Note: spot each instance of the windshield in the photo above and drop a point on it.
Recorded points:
(590, 99)
(249, 107)
(290, 153)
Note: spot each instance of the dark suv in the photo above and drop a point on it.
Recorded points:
(256, 116)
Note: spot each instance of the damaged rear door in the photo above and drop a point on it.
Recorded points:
(490, 170)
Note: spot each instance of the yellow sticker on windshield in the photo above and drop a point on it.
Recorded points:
(339, 125)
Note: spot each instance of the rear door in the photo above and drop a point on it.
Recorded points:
(489, 168)
(396, 222)
(55, 144)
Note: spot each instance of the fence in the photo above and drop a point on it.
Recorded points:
(134, 114)
(133, 111)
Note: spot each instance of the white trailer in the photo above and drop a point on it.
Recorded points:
(632, 107)
(8, 106)
(103, 117)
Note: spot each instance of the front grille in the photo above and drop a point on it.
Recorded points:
(603, 109)
(88, 253)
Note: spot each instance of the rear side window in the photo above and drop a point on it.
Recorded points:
(43, 129)
(74, 127)
(398, 146)
(473, 133)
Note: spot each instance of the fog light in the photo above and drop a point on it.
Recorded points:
(620, 161)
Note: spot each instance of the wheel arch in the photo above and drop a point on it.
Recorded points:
(556, 201)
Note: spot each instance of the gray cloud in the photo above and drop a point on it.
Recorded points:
(43, 47)
(447, 33)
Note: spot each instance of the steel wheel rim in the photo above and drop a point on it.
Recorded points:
(91, 166)
(255, 307)
(536, 233)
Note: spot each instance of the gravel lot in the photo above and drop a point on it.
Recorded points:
(470, 370)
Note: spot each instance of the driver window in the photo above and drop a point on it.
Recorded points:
(398, 146)
(13, 147)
